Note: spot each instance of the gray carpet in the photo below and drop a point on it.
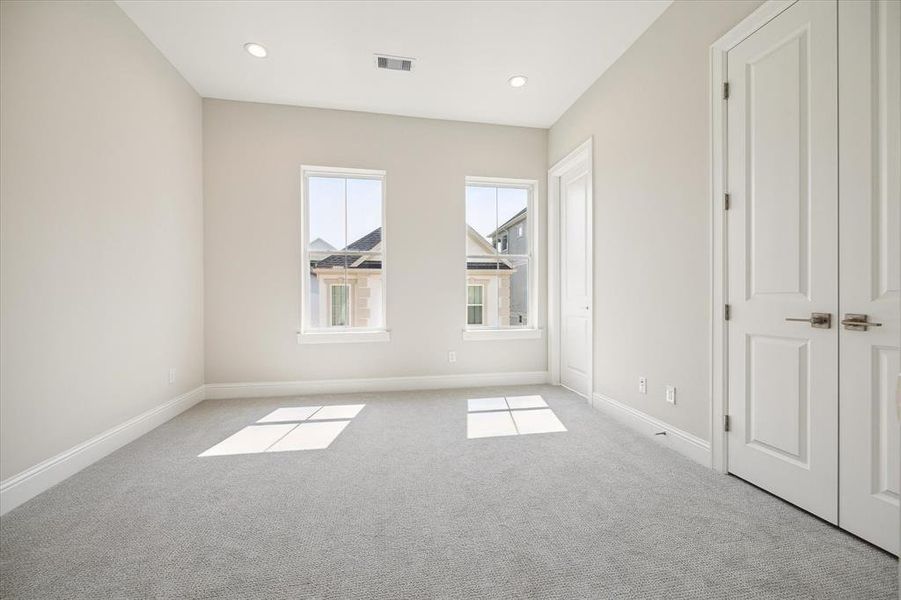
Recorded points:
(402, 505)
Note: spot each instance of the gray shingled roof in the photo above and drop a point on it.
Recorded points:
(367, 242)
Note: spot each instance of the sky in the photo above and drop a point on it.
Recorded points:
(489, 207)
(327, 215)
(486, 208)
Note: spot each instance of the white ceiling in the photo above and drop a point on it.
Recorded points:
(321, 53)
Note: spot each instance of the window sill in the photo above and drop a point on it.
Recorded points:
(343, 337)
(501, 334)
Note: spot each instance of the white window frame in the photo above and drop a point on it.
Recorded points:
(532, 331)
(308, 334)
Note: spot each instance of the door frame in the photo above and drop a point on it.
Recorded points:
(719, 382)
(583, 153)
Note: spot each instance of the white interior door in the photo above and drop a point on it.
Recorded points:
(576, 278)
(870, 150)
(783, 257)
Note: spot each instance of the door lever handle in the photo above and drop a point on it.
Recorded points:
(816, 320)
(857, 322)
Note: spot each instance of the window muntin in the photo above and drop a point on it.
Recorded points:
(499, 252)
(343, 251)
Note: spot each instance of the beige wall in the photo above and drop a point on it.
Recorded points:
(252, 159)
(104, 258)
(649, 117)
(100, 227)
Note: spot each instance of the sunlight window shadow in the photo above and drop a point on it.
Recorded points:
(250, 440)
(293, 413)
(289, 429)
(310, 436)
(513, 415)
(480, 404)
(489, 424)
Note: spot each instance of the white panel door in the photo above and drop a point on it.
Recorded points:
(783, 257)
(870, 176)
(576, 280)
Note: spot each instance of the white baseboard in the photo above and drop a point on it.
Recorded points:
(381, 384)
(31, 482)
(683, 442)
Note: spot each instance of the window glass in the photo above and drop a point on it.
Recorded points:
(475, 305)
(344, 253)
(519, 292)
(498, 255)
(326, 213)
(364, 208)
(512, 216)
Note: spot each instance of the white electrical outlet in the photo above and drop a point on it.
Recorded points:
(671, 394)
(642, 385)
(172, 375)
(451, 356)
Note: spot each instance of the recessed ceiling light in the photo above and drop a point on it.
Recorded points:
(518, 80)
(255, 50)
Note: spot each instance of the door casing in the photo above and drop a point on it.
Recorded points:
(582, 154)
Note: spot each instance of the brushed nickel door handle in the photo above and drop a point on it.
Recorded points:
(858, 322)
(816, 320)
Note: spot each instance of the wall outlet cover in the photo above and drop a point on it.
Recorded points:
(671, 394)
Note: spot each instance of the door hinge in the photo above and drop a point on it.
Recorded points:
(725, 90)
(727, 312)
(726, 425)
(726, 201)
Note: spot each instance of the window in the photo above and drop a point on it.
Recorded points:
(343, 283)
(500, 271)
(340, 313)
(475, 304)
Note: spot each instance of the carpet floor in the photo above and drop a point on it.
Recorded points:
(403, 505)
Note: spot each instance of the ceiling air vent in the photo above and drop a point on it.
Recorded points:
(394, 63)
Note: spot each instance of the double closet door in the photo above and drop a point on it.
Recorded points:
(814, 262)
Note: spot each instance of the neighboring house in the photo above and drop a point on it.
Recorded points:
(512, 238)
(487, 284)
(346, 289)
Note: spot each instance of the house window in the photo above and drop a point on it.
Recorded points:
(340, 305)
(475, 304)
(343, 247)
(500, 258)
